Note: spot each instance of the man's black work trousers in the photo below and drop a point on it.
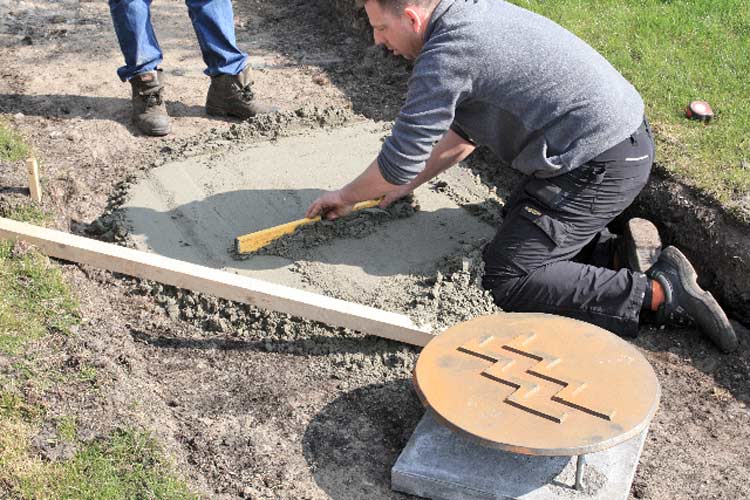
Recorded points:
(552, 248)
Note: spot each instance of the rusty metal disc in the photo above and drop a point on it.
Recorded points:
(537, 384)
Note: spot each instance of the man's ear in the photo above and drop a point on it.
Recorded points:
(416, 18)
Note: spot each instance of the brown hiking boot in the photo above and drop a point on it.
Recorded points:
(640, 245)
(231, 95)
(149, 111)
(686, 300)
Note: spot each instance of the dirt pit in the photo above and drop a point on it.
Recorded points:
(192, 210)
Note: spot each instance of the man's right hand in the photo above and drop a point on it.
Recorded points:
(330, 205)
(396, 194)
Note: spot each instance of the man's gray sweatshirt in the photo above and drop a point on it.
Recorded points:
(538, 96)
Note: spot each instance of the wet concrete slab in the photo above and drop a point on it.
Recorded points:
(193, 209)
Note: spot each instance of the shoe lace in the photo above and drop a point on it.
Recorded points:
(245, 92)
(151, 97)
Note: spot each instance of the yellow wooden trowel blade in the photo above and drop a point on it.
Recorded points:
(253, 241)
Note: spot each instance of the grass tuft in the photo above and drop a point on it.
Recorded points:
(33, 299)
(12, 147)
(127, 465)
(30, 213)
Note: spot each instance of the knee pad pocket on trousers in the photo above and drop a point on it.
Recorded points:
(553, 228)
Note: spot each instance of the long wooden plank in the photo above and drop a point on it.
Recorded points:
(222, 284)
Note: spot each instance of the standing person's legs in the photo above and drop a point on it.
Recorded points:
(230, 92)
(528, 265)
(213, 21)
(132, 22)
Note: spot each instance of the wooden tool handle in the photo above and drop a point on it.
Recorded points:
(259, 239)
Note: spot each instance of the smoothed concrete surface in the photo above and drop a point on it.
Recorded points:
(194, 208)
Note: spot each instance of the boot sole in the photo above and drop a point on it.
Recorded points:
(157, 133)
(210, 110)
(702, 306)
(642, 244)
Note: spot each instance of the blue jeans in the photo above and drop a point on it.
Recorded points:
(213, 21)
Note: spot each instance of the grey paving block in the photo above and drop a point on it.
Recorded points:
(440, 464)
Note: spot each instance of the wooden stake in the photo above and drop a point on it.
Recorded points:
(34, 187)
(222, 284)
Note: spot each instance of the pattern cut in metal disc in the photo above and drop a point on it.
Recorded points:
(537, 384)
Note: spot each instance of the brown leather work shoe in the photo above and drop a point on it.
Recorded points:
(149, 111)
(231, 95)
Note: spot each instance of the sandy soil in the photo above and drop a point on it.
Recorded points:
(259, 405)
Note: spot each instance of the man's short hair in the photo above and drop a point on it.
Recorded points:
(397, 5)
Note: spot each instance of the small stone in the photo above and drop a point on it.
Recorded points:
(173, 312)
(321, 79)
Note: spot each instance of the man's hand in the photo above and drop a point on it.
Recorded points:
(396, 194)
(330, 205)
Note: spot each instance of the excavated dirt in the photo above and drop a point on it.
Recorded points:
(253, 404)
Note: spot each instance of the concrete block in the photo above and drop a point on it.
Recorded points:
(440, 464)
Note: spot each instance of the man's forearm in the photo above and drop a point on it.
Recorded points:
(371, 184)
(368, 185)
(449, 150)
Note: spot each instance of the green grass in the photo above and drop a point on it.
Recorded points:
(31, 213)
(674, 52)
(33, 299)
(12, 147)
(128, 464)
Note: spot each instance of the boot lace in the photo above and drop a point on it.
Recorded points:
(245, 92)
(151, 97)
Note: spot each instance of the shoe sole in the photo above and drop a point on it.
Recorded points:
(709, 315)
(157, 133)
(210, 110)
(642, 244)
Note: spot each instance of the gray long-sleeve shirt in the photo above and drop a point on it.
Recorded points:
(537, 95)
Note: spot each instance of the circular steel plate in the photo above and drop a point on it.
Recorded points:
(537, 384)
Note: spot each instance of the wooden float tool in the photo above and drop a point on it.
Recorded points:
(253, 241)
